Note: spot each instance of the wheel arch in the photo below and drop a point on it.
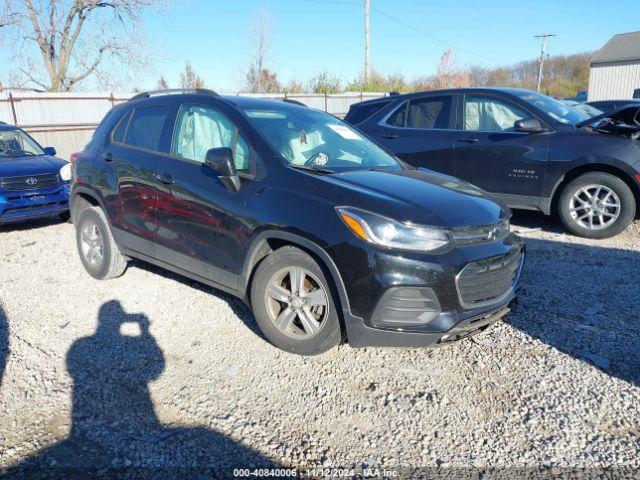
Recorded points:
(593, 168)
(83, 197)
(269, 241)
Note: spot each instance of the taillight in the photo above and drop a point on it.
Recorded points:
(638, 178)
(74, 156)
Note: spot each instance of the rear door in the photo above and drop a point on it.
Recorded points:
(420, 132)
(489, 152)
(202, 226)
(133, 154)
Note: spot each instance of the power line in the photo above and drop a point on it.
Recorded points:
(413, 28)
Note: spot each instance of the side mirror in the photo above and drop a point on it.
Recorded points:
(529, 125)
(221, 160)
(50, 151)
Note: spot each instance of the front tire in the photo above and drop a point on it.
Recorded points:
(597, 205)
(293, 304)
(98, 251)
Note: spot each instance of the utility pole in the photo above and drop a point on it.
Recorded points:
(543, 50)
(367, 55)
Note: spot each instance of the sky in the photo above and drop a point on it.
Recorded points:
(314, 35)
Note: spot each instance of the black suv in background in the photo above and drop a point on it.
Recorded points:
(527, 149)
(320, 231)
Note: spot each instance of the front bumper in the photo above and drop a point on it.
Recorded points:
(17, 206)
(414, 300)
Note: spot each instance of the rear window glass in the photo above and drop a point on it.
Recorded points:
(427, 113)
(145, 127)
(362, 112)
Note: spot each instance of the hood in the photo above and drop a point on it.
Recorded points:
(623, 122)
(420, 196)
(29, 165)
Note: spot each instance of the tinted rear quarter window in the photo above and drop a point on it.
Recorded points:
(121, 127)
(145, 127)
(362, 112)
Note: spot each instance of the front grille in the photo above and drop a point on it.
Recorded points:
(29, 182)
(482, 234)
(486, 281)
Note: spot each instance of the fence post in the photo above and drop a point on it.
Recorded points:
(326, 107)
(13, 110)
(113, 100)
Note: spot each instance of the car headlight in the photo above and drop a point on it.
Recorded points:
(390, 233)
(65, 172)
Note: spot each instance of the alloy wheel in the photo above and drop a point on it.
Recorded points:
(595, 207)
(92, 244)
(297, 303)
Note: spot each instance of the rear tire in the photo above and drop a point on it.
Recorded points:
(98, 251)
(293, 305)
(597, 205)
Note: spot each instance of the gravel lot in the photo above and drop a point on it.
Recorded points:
(159, 371)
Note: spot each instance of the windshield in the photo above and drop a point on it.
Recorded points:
(16, 143)
(317, 140)
(552, 107)
(588, 110)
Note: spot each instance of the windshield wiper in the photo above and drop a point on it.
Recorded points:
(17, 153)
(311, 169)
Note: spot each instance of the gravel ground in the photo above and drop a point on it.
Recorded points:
(152, 370)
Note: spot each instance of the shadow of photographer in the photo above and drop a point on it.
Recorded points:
(115, 429)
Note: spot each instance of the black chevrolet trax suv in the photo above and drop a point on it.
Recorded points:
(324, 234)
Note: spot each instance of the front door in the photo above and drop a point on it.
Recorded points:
(201, 224)
(420, 132)
(492, 155)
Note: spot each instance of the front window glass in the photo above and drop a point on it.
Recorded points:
(490, 114)
(201, 128)
(552, 107)
(16, 143)
(316, 139)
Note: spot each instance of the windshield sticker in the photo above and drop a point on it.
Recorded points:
(345, 132)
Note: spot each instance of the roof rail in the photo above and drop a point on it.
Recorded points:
(295, 102)
(173, 91)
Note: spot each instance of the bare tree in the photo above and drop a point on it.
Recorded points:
(189, 78)
(259, 78)
(162, 83)
(448, 74)
(74, 38)
(478, 75)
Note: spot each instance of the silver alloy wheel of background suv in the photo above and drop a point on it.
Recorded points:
(296, 302)
(595, 207)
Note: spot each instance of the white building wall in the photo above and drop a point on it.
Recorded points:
(613, 81)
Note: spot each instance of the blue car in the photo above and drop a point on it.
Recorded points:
(33, 181)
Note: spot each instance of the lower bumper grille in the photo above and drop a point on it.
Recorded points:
(488, 281)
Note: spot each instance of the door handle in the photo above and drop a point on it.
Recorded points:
(165, 178)
(108, 157)
(469, 140)
(390, 135)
